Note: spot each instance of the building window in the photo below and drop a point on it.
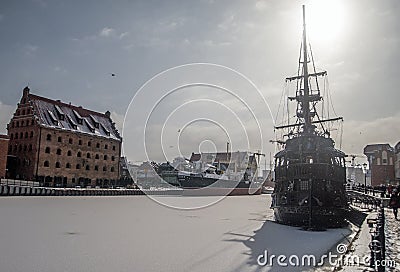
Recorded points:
(16, 135)
(26, 135)
(46, 164)
(69, 153)
(80, 142)
(21, 135)
(47, 150)
(30, 147)
(112, 158)
(104, 168)
(89, 143)
(96, 168)
(97, 156)
(59, 139)
(15, 148)
(113, 147)
(48, 137)
(12, 136)
(105, 157)
(58, 151)
(58, 165)
(23, 111)
(68, 165)
(25, 148)
(17, 124)
(112, 169)
(98, 145)
(9, 149)
(20, 148)
(106, 146)
(88, 155)
(22, 123)
(31, 134)
(78, 166)
(32, 122)
(79, 154)
(87, 167)
(70, 140)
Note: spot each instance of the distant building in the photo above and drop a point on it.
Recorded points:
(3, 155)
(381, 159)
(397, 162)
(61, 144)
(356, 175)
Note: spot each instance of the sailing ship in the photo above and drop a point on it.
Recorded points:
(310, 173)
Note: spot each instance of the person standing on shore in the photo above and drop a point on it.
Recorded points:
(394, 202)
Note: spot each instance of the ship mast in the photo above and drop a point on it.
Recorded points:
(305, 100)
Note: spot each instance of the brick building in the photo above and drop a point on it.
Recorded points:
(61, 144)
(381, 158)
(3, 155)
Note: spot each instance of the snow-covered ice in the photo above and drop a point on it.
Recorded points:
(134, 233)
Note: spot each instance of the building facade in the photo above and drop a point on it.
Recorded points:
(61, 144)
(397, 162)
(3, 155)
(381, 158)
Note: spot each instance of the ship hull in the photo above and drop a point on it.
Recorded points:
(300, 216)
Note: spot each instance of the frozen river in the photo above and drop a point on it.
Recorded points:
(135, 233)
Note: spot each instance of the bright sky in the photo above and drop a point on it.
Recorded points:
(68, 49)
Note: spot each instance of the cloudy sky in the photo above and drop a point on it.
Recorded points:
(68, 50)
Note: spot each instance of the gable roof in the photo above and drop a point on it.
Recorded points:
(59, 115)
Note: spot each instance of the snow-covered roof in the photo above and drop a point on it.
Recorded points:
(59, 115)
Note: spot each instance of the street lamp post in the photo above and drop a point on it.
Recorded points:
(365, 177)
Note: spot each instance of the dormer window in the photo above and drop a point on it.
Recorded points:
(91, 128)
(95, 121)
(53, 117)
(79, 118)
(60, 113)
(72, 122)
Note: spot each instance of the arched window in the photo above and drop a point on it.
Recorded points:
(78, 166)
(58, 151)
(21, 135)
(47, 150)
(17, 124)
(97, 156)
(46, 164)
(9, 149)
(48, 137)
(16, 135)
(79, 154)
(31, 134)
(25, 148)
(20, 148)
(80, 142)
(105, 157)
(12, 136)
(58, 165)
(70, 140)
(32, 122)
(97, 145)
(23, 111)
(88, 155)
(87, 167)
(112, 158)
(59, 139)
(104, 168)
(112, 169)
(89, 143)
(26, 135)
(22, 123)
(30, 147)
(69, 153)
(96, 168)
(68, 165)
(114, 147)
(15, 148)
(106, 146)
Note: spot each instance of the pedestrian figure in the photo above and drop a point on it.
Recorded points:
(394, 202)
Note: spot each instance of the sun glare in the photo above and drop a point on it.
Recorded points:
(325, 19)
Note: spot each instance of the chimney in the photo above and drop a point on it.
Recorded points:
(26, 91)
(108, 114)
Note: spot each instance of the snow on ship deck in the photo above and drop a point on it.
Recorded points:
(137, 234)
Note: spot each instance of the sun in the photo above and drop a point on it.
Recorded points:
(325, 19)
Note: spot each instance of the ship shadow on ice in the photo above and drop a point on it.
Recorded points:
(276, 239)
